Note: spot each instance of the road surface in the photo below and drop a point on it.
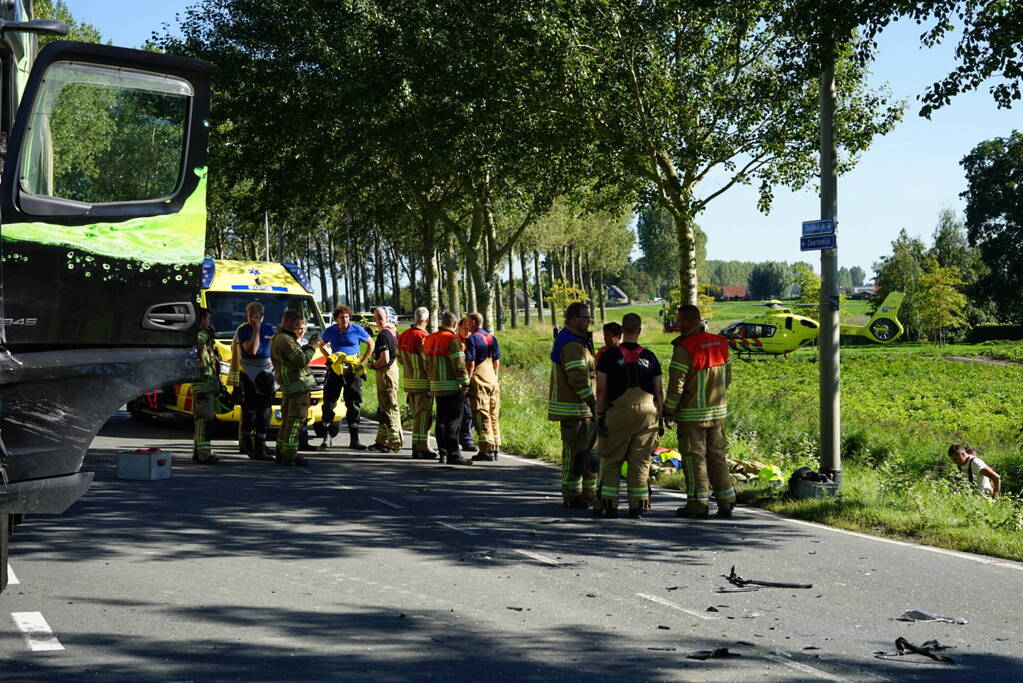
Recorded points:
(366, 566)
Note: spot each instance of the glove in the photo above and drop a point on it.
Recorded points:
(591, 403)
(660, 427)
(602, 425)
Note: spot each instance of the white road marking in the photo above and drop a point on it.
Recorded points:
(12, 578)
(538, 557)
(37, 632)
(804, 668)
(680, 608)
(458, 529)
(386, 502)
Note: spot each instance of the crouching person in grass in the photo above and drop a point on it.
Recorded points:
(629, 402)
(981, 475)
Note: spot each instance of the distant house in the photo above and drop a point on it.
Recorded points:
(615, 296)
(733, 292)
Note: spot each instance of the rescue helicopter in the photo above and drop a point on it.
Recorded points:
(780, 331)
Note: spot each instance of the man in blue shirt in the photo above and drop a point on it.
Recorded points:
(347, 378)
(252, 346)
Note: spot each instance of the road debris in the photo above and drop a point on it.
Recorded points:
(517, 609)
(719, 653)
(663, 627)
(662, 649)
(920, 615)
(737, 580)
(712, 608)
(929, 649)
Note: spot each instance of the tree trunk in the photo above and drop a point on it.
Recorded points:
(348, 279)
(430, 271)
(512, 297)
(413, 294)
(525, 287)
(332, 265)
(603, 297)
(441, 303)
(500, 303)
(378, 274)
(686, 257)
(539, 284)
(452, 278)
(470, 288)
(364, 279)
(322, 268)
(395, 282)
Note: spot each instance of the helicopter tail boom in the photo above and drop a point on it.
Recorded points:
(884, 325)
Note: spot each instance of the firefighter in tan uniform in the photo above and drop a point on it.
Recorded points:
(291, 367)
(698, 380)
(385, 362)
(573, 403)
(416, 382)
(483, 363)
(629, 401)
(449, 385)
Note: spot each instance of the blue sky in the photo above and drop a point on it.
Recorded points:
(902, 181)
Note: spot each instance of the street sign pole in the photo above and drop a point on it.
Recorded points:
(830, 378)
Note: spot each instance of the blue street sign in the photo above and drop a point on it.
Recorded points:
(827, 227)
(817, 242)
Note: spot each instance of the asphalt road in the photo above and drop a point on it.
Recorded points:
(366, 566)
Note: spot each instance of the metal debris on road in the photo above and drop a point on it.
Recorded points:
(737, 580)
(929, 649)
(719, 653)
(920, 615)
(663, 627)
(517, 609)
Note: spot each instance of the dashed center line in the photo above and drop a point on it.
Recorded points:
(538, 557)
(12, 578)
(37, 632)
(680, 608)
(387, 503)
(458, 529)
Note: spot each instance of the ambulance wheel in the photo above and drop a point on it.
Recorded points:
(135, 410)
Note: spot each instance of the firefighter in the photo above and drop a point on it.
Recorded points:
(385, 362)
(698, 379)
(629, 402)
(343, 337)
(483, 363)
(291, 367)
(205, 391)
(449, 385)
(416, 382)
(573, 404)
(465, 441)
(252, 370)
(612, 337)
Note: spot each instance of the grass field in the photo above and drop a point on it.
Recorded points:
(902, 405)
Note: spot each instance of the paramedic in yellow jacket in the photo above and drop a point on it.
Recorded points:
(573, 403)
(291, 367)
(698, 379)
(416, 383)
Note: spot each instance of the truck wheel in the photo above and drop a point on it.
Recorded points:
(135, 409)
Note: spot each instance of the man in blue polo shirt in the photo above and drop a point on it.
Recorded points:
(344, 337)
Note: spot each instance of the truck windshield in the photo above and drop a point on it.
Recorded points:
(227, 310)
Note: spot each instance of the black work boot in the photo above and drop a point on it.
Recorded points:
(484, 457)
(457, 459)
(245, 444)
(353, 432)
(725, 510)
(693, 512)
(259, 450)
(327, 442)
(469, 447)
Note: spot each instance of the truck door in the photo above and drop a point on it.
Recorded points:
(103, 200)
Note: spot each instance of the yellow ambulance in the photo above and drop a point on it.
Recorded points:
(227, 287)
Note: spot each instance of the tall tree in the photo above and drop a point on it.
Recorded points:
(940, 303)
(857, 275)
(676, 91)
(994, 220)
(900, 272)
(768, 280)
